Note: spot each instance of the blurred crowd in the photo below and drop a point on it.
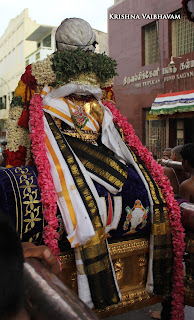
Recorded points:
(178, 166)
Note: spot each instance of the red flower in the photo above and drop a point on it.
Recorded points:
(18, 163)
(10, 155)
(17, 158)
(28, 79)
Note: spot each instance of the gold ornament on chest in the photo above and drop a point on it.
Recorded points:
(83, 105)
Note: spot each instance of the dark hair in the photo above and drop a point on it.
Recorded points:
(187, 153)
(4, 143)
(11, 270)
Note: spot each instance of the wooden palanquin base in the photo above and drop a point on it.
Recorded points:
(130, 260)
(130, 264)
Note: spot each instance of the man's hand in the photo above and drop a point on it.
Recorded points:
(43, 253)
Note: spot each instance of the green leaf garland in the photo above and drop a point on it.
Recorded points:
(67, 64)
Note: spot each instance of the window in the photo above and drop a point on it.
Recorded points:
(13, 58)
(182, 34)
(4, 102)
(150, 43)
(9, 61)
(1, 68)
(1, 103)
(20, 51)
(47, 41)
(5, 64)
(37, 55)
(27, 62)
(38, 45)
(155, 134)
(180, 132)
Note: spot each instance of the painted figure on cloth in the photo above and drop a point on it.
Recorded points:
(90, 164)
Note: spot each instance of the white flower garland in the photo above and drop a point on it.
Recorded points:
(44, 74)
(91, 80)
(43, 71)
(17, 136)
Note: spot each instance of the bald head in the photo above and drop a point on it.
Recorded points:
(175, 153)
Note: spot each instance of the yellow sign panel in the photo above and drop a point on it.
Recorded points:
(152, 117)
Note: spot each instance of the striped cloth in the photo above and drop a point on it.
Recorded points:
(170, 103)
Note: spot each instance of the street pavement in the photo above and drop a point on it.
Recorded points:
(142, 314)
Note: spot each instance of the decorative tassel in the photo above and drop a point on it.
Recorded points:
(24, 118)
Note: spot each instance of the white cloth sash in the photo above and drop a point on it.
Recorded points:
(58, 107)
(74, 214)
(112, 140)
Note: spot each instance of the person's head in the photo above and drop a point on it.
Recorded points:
(74, 33)
(175, 153)
(187, 154)
(11, 272)
(167, 153)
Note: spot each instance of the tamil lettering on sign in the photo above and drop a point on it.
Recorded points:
(167, 74)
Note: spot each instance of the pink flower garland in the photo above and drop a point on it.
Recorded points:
(48, 194)
(172, 206)
(45, 180)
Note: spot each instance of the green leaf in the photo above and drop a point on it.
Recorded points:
(67, 64)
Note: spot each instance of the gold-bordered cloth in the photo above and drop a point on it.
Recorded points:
(95, 256)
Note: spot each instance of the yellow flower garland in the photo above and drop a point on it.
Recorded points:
(20, 91)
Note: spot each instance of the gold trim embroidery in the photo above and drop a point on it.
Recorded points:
(28, 197)
(15, 201)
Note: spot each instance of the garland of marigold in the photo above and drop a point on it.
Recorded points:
(156, 171)
(45, 180)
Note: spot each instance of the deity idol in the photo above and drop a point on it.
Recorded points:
(76, 167)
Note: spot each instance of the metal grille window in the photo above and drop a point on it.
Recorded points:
(182, 33)
(180, 132)
(155, 135)
(151, 46)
